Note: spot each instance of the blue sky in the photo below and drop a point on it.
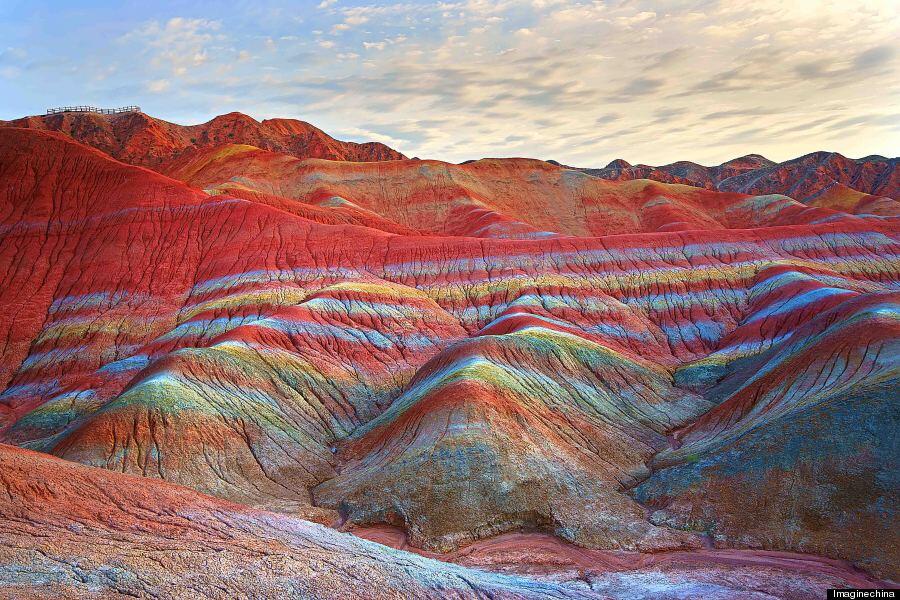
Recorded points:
(581, 82)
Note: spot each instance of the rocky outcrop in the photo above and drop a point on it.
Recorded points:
(74, 532)
(70, 531)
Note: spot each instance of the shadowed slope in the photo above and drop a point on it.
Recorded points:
(807, 175)
(683, 172)
(801, 453)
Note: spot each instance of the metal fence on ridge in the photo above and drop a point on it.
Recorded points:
(93, 109)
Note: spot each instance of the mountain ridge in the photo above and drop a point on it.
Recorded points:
(799, 178)
(139, 139)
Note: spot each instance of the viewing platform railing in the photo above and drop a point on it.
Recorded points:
(93, 109)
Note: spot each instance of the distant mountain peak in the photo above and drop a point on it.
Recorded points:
(800, 178)
(619, 163)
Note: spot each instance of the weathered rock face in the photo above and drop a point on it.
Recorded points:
(138, 139)
(802, 178)
(71, 531)
(637, 367)
(804, 438)
(74, 532)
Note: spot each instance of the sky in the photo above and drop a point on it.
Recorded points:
(582, 82)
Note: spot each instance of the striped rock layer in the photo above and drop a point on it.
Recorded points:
(459, 351)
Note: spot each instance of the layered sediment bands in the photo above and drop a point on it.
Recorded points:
(490, 198)
(71, 216)
(338, 346)
(801, 453)
(68, 531)
(534, 428)
(253, 415)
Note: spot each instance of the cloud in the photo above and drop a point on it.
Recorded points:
(353, 17)
(608, 118)
(880, 120)
(12, 56)
(874, 57)
(179, 43)
(381, 45)
(662, 60)
(636, 88)
(731, 80)
(158, 85)
(802, 125)
(751, 111)
(554, 70)
(839, 71)
(635, 19)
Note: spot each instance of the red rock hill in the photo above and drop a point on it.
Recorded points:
(140, 139)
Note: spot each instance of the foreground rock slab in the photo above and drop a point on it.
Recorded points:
(70, 531)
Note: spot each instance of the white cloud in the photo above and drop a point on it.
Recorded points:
(13, 55)
(179, 43)
(354, 19)
(641, 17)
(158, 85)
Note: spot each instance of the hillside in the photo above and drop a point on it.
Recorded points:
(497, 198)
(615, 381)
